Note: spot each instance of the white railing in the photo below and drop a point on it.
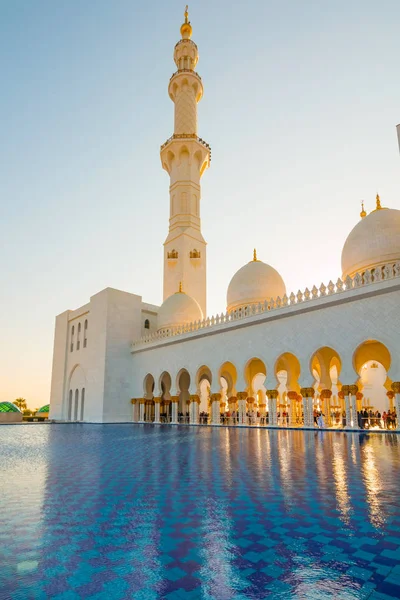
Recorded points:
(368, 277)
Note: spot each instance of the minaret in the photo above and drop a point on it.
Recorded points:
(185, 157)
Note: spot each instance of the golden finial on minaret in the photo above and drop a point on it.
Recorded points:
(180, 291)
(362, 213)
(255, 255)
(186, 28)
(378, 202)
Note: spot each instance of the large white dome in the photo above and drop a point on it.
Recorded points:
(253, 283)
(177, 310)
(373, 242)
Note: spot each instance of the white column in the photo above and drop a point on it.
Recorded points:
(272, 412)
(353, 406)
(174, 409)
(141, 411)
(135, 405)
(396, 390)
(346, 393)
(311, 411)
(157, 410)
(215, 413)
(242, 407)
(194, 409)
(305, 412)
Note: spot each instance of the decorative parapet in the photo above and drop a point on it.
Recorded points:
(360, 280)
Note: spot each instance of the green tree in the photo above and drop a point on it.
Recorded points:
(21, 403)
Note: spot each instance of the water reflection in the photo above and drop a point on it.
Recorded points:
(207, 512)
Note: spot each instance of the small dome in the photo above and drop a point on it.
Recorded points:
(373, 242)
(8, 407)
(43, 410)
(254, 283)
(177, 310)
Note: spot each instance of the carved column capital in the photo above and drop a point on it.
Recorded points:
(195, 398)
(157, 399)
(390, 394)
(134, 400)
(242, 395)
(326, 393)
(174, 398)
(142, 400)
(232, 400)
(292, 395)
(346, 390)
(396, 387)
(273, 394)
(215, 397)
(307, 392)
(353, 389)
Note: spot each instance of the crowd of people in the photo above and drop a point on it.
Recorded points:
(366, 419)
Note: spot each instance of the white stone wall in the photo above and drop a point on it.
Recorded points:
(341, 324)
(103, 367)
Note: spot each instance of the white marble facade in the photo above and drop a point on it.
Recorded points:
(118, 359)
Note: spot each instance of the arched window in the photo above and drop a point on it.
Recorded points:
(85, 328)
(82, 403)
(70, 405)
(78, 340)
(76, 405)
(147, 324)
(72, 337)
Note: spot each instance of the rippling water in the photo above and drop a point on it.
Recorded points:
(142, 512)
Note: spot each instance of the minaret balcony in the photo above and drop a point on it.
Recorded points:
(179, 71)
(186, 136)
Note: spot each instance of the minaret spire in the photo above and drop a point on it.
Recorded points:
(185, 157)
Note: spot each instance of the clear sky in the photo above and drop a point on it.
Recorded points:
(300, 107)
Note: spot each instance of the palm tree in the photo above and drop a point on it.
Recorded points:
(21, 403)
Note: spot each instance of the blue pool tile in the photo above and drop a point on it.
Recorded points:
(154, 513)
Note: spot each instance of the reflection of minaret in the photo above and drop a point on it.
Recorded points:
(185, 157)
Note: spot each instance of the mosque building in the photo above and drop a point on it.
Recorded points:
(272, 357)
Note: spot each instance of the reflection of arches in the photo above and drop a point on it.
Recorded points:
(229, 373)
(182, 385)
(321, 365)
(254, 367)
(148, 386)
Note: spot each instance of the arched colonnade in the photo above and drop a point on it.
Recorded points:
(226, 395)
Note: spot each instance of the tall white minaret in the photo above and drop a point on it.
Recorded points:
(185, 157)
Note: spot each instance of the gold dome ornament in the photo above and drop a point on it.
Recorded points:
(378, 202)
(362, 213)
(255, 259)
(186, 28)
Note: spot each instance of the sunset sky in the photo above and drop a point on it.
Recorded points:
(301, 102)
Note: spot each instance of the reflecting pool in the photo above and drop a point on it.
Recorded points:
(142, 512)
